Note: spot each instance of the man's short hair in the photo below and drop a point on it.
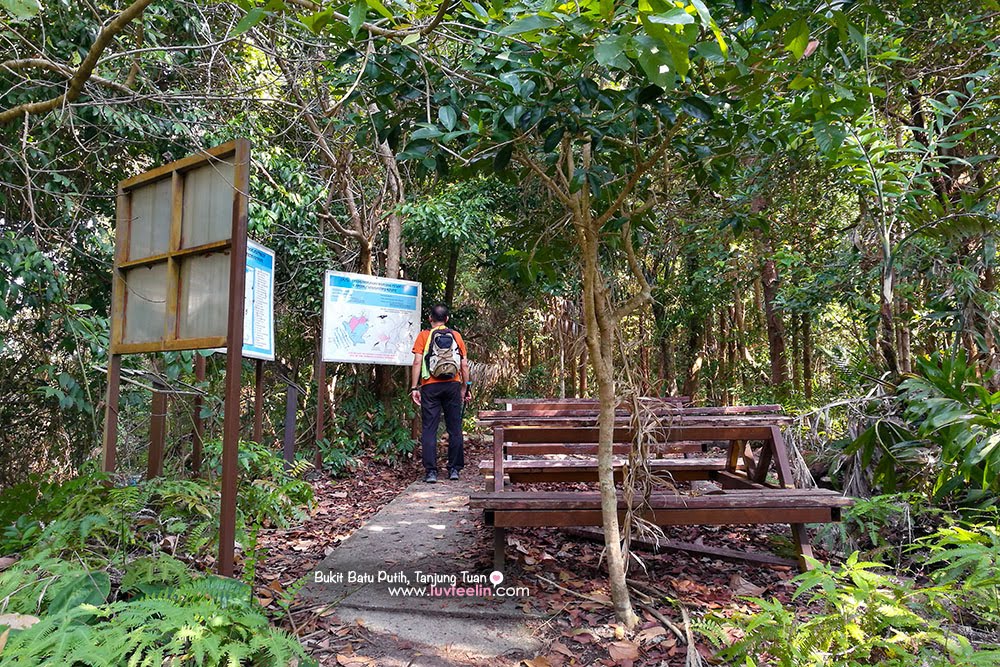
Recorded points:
(439, 313)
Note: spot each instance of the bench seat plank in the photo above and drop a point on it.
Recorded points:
(584, 470)
(675, 516)
(540, 465)
(583, 500)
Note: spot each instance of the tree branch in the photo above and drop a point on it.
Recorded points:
(86, 68)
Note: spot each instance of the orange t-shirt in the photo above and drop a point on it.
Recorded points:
(420, 345)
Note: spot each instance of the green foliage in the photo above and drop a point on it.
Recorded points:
(953, 412)
(880, 527)
(966, 556)
(363, 423)
(866, 618)
(268, 493)
(164, 616)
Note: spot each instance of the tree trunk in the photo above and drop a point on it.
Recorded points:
(695, 341)
(600, 342)
(807, 356)
(583, 372)
(796, 356)
(775, 329)
(723, 354)
(449, 289)
(887, 336)
(758, 304)
(992, 360)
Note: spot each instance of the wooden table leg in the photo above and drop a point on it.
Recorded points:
(499, 547)
(800, 536)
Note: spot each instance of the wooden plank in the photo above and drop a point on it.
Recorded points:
(568, 500)
(583, 448)
(498, 436)
(585, 401)
(157, 432)
(561, 411)
(583, 434)
(110, 452)
(173, 264)
(699, 550)
(554, 464)
(678, 516)
(219, 152)
(626, 422)
(734, 481)
(781, 458)
(234, 361)
(123, 217)
(209, 342)
(529, 472)
(204, 249)
(764, 463)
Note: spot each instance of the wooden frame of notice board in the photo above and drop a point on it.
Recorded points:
(178, 284)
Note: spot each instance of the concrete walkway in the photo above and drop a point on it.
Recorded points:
(399, 573)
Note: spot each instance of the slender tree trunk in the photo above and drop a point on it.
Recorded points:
(723, 354)
(696, 359)
(992, 360)
(887, 331)
(600, 341)
(807, 356)
(584, 365)
(759, 315)
(796, 357)
(449, 289)
(775, 329)
(561, 339)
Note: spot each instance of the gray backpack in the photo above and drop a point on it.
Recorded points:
(443, 358)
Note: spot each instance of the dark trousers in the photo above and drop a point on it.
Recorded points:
(435, 399)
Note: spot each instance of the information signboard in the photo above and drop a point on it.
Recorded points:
(258, 303)
(369, 320)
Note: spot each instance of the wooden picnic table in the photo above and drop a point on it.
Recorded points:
(757, 485)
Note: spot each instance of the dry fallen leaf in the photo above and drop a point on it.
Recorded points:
(649, 633)
(18, 621)
(540, 661)
(624, 650)
(559, 647)
(741, 586)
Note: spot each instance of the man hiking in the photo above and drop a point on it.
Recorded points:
(440, 384)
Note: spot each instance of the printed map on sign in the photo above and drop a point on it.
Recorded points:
(369, 320)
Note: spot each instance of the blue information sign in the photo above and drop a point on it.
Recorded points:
(258, 303)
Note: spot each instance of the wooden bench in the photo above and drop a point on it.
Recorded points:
(748, 497)
(555, 470)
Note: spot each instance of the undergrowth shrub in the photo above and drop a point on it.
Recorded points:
(98, 582)
(881, 528)
(162, 614)
(966, 557)
(859, 617)
(363, 424)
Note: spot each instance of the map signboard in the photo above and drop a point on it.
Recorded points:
(369, 320)
(258, 303)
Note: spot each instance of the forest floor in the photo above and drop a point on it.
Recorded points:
(567, 613)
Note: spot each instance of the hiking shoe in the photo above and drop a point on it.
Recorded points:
(431, 476)
(453, 474)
